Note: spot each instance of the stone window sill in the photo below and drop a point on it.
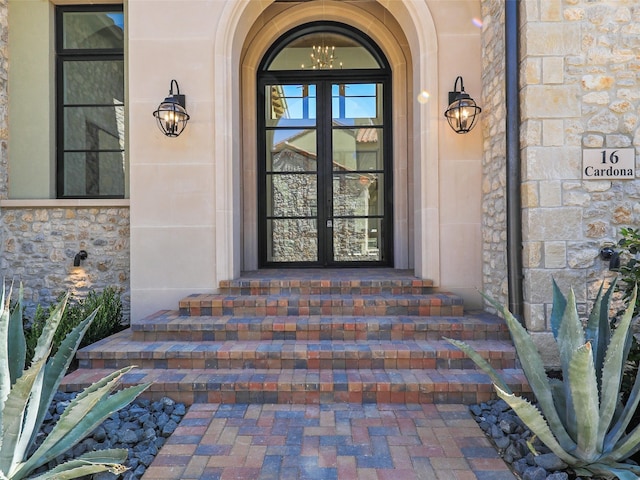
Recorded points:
(67, 203)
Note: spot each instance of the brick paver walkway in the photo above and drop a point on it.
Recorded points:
(328, 441)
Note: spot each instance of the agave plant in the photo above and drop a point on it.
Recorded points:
(27, 391)
(581, 419)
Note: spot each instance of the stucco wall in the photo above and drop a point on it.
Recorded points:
(580, 89)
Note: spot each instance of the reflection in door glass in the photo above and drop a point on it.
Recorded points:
(290, 105)
(358, 194)
(357, 240)
(357, 103)
(291, 150)
(358, 149)
(292, 195)
(292, 240)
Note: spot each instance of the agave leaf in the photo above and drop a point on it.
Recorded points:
(57, 367)
(85, 470)
(535, 422)
(91, 462)
(621, 424)
(79, 421)
(17, 345)
(570, 334)
(627, 446)
(613, 369)
(79, 406)
(597, 330)
(561, 399)
(557, 311)
(14, 411)
(535, 372)
(624, 471)
(43, 347)
(584, 390)
(5, 374)
(480, 362)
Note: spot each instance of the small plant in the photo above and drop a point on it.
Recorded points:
(628, 266)
(25, 395)
(629, 247)
(581, 419)
(107, 321)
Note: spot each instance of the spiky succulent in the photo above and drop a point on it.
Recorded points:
(582, 418)
(27, 391)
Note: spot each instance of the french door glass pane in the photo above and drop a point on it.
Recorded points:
(358, 149)
(292, 240)
(290, 105)
(292, 195)
(358, 194)
(291, 150)
(357, 103)
(357, 239)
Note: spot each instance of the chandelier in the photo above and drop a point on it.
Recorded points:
(322, 57)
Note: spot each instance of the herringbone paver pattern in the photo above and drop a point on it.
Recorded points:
(332, 441)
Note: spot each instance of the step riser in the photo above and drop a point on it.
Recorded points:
(355, 386)
(291, 364)
(239, 309)
(170, 326)
(307, 398)
(387, 282)
(332, 290)
(333, 334)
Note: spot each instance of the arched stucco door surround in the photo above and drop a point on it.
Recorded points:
(251, 28)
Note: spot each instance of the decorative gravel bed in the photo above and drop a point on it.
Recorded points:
(142, 427)
(516, 446)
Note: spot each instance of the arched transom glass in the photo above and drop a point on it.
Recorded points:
(323, 51)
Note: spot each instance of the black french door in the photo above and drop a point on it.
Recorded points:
(324, 172)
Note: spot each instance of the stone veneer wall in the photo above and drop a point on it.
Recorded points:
(494, 211)
(39, 244)
(580, 89)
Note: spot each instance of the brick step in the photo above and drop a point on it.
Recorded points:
(169, 325)
(120, 351)
(322, 283)
(434, 304)
(310, 386)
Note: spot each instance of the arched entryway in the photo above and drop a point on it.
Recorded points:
(414, 143)
(324, 150)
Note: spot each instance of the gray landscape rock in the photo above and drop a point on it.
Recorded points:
(510, 436)
(550, 461)
(141, 428)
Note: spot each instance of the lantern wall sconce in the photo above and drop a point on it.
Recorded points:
(172, 114)
(462, 112)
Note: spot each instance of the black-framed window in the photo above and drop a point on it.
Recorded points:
(90, 108)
